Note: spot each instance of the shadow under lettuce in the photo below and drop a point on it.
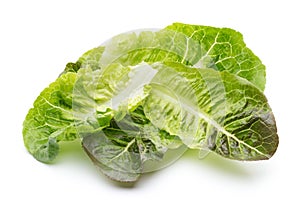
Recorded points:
(217, 163)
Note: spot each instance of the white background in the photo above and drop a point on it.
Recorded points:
(37, 38)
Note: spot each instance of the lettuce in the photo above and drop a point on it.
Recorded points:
(51, 120)
(144, 94)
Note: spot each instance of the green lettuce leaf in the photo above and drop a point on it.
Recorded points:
(121, 150)
(226, 50)
(222, 49)
(120, 139)
(206, 109)
(143, 94)
(51, 119)
(132, 48)
(212, 110)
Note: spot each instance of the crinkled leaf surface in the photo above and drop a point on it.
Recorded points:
(222, 49)
(121, 139)
(145, 92)
(121, 149)
(212, 110)
(51, 119)
(225, 50)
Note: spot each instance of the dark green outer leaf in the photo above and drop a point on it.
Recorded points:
(120, 163)
(121, 149)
